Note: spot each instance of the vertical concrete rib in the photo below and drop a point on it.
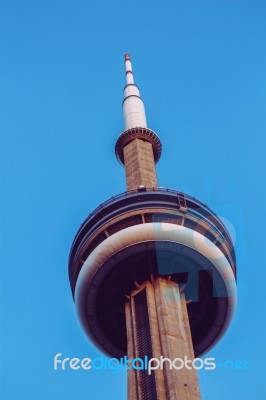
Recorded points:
(176, 342)
(158, 326)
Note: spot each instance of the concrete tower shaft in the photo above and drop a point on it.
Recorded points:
(158, 325)
(144, 243)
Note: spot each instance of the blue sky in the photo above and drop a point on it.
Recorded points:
(200, 66)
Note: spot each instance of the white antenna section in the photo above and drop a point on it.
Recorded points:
(133, 106)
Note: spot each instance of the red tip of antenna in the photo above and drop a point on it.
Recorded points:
(127, 57)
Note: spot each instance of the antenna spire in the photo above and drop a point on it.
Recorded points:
(129, 72)
(138, 147)
(133, 106)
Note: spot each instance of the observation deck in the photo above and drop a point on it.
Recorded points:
(142, 234)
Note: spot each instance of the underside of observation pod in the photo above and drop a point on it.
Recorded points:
(139, 236)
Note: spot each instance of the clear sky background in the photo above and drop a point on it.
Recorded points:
(200, 66)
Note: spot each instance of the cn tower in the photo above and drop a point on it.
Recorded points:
(152, 270)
